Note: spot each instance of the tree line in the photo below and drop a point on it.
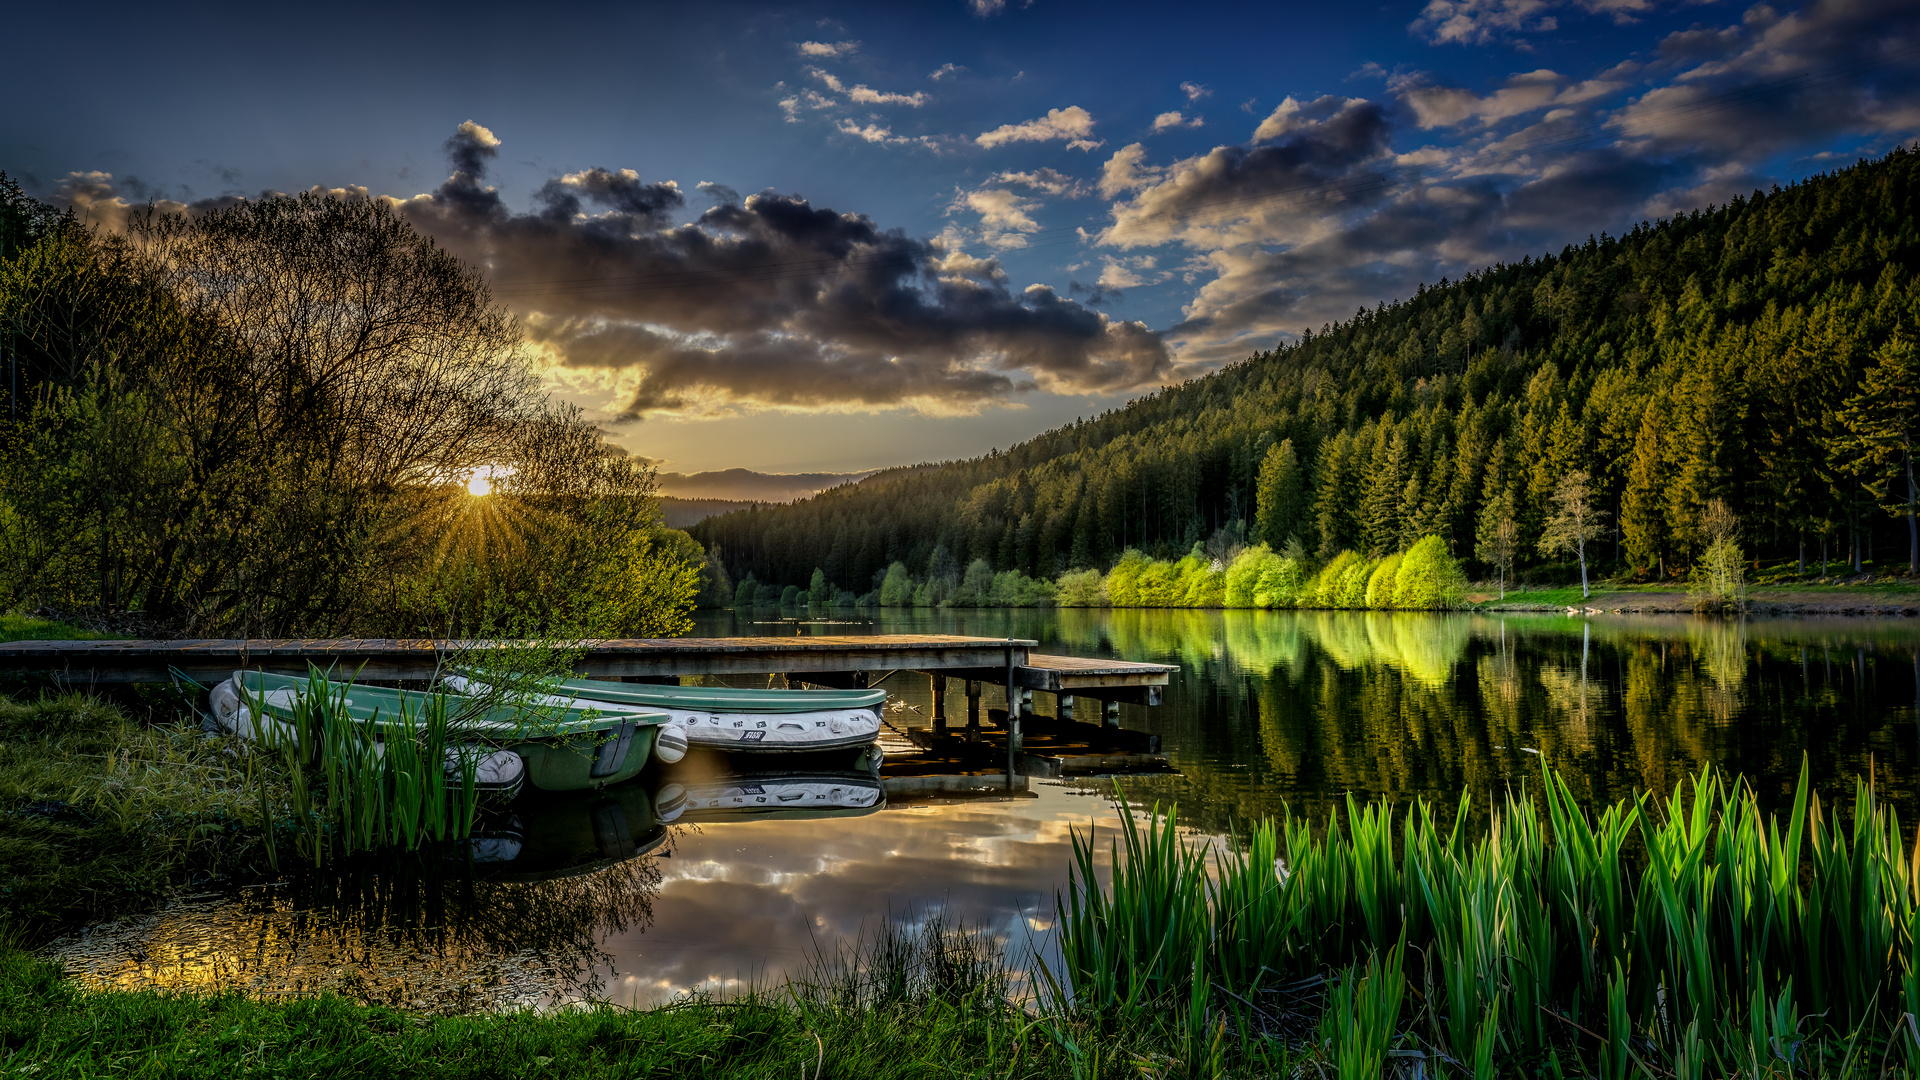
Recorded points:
(264, 420)
(1758, 355)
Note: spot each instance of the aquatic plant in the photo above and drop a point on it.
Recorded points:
(1677, 934)
(366, 785)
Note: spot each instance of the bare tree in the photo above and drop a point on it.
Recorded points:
(1500, 546)
(1573, 522)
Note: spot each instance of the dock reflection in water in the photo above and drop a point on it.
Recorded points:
(704, 878)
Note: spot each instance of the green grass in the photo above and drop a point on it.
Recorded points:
(101, 814)
(901, 1008)
(28, 628)
(1684, 936)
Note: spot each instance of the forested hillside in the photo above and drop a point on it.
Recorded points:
(1758, 353)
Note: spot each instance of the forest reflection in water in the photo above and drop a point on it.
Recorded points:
(1279, 709)
(656, 888)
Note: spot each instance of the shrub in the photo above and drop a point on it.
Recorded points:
(1719, 580)
(1279, 585)
(1380, 583)
(1351, 591)
(1323, 590)
(1081, 588)
(1123, 581)
(1429, 577)
(896, 589)
(1243, 577)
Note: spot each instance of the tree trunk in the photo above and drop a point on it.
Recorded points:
(1913, 529)
(1803, 553)
(1584, 594)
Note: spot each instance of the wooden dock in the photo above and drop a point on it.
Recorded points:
(844, 661)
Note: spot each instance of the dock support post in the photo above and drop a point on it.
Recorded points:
(1110, 714)
(973, 710)
(1013, 718)
(939, 704)
(1063, 704)
(1026, 703)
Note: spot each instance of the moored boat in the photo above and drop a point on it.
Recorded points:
(553, 747)
(726, 718)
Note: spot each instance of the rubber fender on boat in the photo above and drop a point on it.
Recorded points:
(670, 745)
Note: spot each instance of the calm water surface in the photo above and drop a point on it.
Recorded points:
(1270, 710)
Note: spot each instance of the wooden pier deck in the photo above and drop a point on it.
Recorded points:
(849, 660)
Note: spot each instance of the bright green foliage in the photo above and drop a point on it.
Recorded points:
(1011, 588)
(1324, 590)
(1123, 581)
(1706, 356)
(1380, 582)
(1351, 590)
(1081, 588)
(1672, 929)
(820, 591)
(897, 588)
(1279, 585)
(744, 595)
(1429, 578)
(1719, 579)
(353, 788)
(1243, 576)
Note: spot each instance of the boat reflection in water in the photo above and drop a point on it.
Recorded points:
(516, 915)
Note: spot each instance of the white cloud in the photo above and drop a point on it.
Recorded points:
(1292, 115)
(1051, 181)
(1005, 216)
(983, 8)
(1128, 272)
(1125, 172)
(883, 135)
(1525, 92)
(480, 134)
(946, 71)
(1072, 123)
(1195, 91)
(865, 96)
(1168, 120)
(827, 50)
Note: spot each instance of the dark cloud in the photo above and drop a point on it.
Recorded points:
(769, 300)
(1315, 217)
(470, 148)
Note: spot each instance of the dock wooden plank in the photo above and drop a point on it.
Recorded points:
(148, 661)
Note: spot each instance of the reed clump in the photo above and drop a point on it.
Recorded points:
(1688, 936)
(358, 785)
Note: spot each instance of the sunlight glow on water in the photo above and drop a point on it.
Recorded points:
(1271, 711)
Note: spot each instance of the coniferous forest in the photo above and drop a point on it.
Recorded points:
(1744, 370)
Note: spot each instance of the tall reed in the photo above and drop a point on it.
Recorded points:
(1689, 934)
(358, 785)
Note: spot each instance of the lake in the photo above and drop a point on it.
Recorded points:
(1270, 710)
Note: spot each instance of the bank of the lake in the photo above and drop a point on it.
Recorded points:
(1271, 711)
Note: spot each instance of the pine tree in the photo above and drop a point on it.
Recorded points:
(1280, 496)
(1882, 422)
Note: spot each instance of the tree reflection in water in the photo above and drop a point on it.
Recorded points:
(517, 918)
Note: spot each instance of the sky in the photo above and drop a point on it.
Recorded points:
(835, 237)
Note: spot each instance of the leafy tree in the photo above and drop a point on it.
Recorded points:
(1573, 522)
(819, 590)
(1429, 578)
(895, 591)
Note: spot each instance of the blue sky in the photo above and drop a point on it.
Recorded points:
(833, 237)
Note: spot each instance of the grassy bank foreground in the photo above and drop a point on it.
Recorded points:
(1688, 935)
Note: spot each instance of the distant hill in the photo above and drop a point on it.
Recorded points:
(1719, 355)
(745, 485)
(686, 513)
